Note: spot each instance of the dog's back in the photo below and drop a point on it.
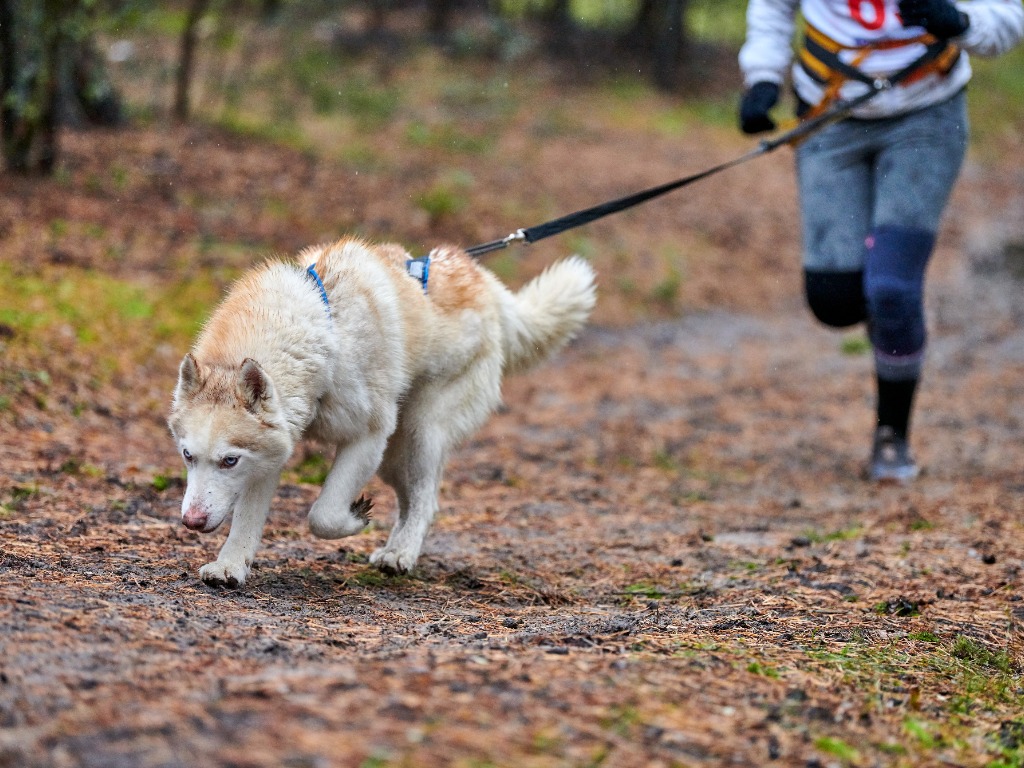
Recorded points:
(455, 314)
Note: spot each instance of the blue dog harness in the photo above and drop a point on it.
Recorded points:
(418, 269)
(311, 271)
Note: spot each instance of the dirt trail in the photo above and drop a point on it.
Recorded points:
(658, 553)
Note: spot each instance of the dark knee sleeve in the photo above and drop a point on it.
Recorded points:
(894, 288)
(835, 298)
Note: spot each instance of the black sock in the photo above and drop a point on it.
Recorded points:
(895, 400)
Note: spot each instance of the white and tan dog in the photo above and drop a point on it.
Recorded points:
(355, 353)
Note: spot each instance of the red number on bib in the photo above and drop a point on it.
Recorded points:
(875, 17)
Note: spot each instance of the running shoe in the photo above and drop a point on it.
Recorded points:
(890, 458)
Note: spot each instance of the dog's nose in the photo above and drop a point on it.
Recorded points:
(195, 519)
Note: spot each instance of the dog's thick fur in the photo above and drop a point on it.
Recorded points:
(392, 377)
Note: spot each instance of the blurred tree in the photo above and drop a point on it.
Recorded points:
(271, 9)
(439, 15)
(30, 36)
(186, 58)
(50, 74)
(653, 33)
(226, 14)
(661, 28)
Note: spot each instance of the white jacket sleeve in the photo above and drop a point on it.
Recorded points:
(768, 50)
(996, 26)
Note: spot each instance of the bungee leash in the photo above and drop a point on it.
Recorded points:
(837, 111)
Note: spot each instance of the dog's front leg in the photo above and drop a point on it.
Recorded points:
(231, 567)
(335, 513)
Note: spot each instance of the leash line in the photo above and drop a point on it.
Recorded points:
(837, 111)
(587, 215)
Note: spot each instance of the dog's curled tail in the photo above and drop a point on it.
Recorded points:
(547, 312)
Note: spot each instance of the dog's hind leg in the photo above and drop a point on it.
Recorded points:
(413, 468)
(336, 513)
(433, 422)
(231, 567)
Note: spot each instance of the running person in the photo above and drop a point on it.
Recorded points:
(873, 187)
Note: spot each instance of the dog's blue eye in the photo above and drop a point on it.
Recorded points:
(186, 454)
(228, 462)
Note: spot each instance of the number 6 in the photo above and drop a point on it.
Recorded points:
(877, 13)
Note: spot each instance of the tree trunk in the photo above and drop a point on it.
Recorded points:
(659, 31)
(271, 10)
(669, 43)
(378, 16)
(557, 15)
(439, 19)
(186, 59)
(50, 75)
(48, 84)
(15, 154)
(88, 96)
(30, 83)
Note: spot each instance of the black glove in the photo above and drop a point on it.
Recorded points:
(940, 17)
(755, 105)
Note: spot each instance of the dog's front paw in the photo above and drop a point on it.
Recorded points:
(393, 561)
(224, 574)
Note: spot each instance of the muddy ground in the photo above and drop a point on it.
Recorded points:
(662, 550)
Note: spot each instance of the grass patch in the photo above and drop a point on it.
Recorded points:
(312, 470)
(645, 589)
(841, 534)
(446, 197)
(837, 748)
(976, 656)
(666, 292)
(161, 482)
(317, 76)
(855, 346)
(621, 720)
(765, 670)
(285, 133)
(447, 137)
(80, 312)
(918, 672)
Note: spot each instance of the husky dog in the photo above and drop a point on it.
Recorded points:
(390, 369)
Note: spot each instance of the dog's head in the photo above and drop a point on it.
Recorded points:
(226, 423)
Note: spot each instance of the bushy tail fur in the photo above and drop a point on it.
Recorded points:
(547, 312)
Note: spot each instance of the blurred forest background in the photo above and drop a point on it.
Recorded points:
(58, 55)
(64, 61)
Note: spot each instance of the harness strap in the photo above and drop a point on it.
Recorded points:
(312, 273)
(820, 58)
(419, 269)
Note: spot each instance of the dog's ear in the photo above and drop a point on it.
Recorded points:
(189, 378)
(255, 386)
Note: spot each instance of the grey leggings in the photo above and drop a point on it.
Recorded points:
(872, 194)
